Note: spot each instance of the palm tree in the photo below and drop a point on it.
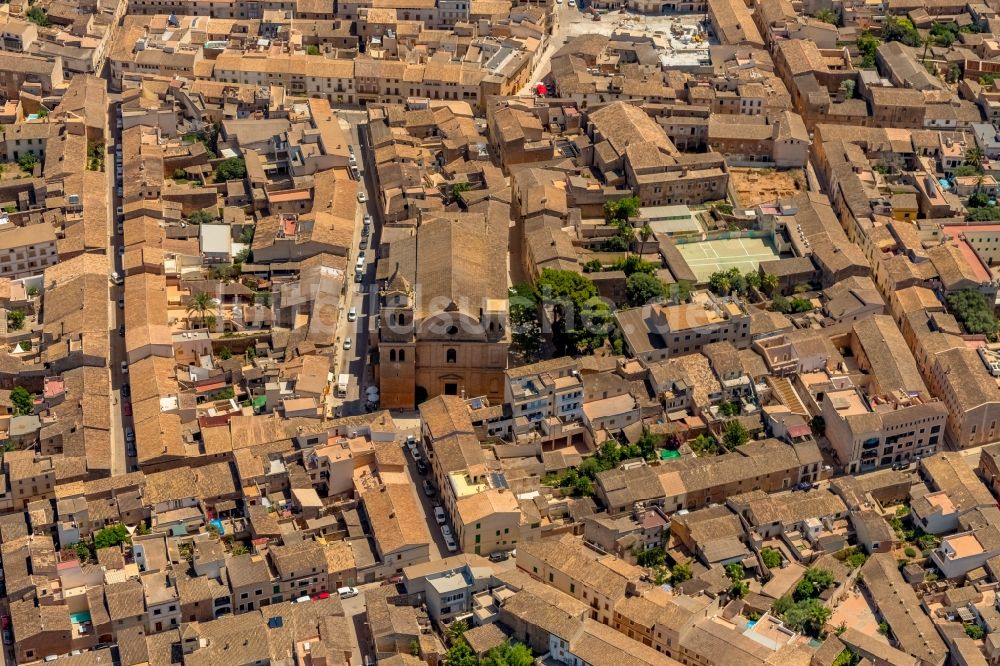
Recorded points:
(646, 232)
(201, 304)
(975, 157)
(769, 282)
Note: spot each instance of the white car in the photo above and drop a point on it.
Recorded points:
(362, 197)
(450, 544)
(446, 532)
(347, 592)
(124, 368)
(347, 343)
(439, 514)
(367, 219)
(352, 314)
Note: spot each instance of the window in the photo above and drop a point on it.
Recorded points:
(402, 355)
(451, 356)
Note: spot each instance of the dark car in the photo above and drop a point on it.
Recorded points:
(422, 467)
(499, 556)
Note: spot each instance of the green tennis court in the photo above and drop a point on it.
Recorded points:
(707, 257)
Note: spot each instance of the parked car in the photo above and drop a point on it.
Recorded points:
(902, 465)
(368, 219)
(130, 450)
(347, 592)
(129, 434)
(347, 343)
(429, 489)
(321, 595)
(501, 555)
(392, 580)
(303, 599)
(422, 468)
(362, 197)
(352, 314)
(446, 532)
(417, 456)
(450, 544)
(363, 244)
(439, 514)
(121, 330)
(124, 368)
(125, 390)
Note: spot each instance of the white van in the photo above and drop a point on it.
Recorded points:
(347, 592)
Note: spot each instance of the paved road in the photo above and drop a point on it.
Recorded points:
(362, 296)
(120, 462)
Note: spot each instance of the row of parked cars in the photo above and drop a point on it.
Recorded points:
(440, 517)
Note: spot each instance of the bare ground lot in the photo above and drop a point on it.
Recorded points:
(757, 186)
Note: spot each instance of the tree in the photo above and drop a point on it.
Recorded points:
(973, 631)
(581, 320)
(641, 288)
(818, 424)
(460, 654)
(225, 353)
(739, 589)
(233, 168)
(15, 319)
(511, 653)
(633, 264)
(704, 445)
(752, 279)
(456, 190)
(201, 217)
(821, 579)
(680, 573)
(808, 615)
(645, 232)
(735, 434)
(526, 331)
(651, 557)
(22, 401)
(975, 157)
(827, 15)
(735, 572)
(964, 170)
(201, 304)
(38, 16)
(900, 29)
(771, 557)
(312, 50)
(113, 535)
(27, 162)
(974, 311)
(847, 89)
(769, 283)
(867, 46)
(81, 550)
(456, 631)
(719, 282)
(593, 266)
(620, 210)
